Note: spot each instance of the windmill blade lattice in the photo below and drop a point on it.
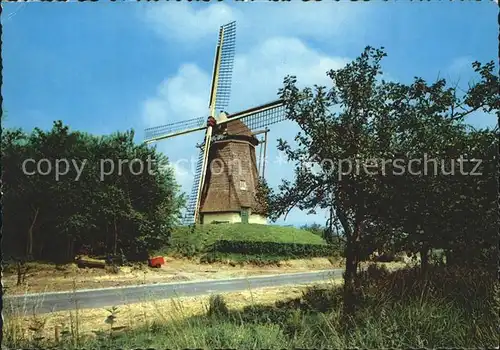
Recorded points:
(226, 66)
(192, 202)
(262, 117)
(173, 129)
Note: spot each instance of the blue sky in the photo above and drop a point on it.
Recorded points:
(103, 67)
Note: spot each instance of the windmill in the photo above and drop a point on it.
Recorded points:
(226, 176)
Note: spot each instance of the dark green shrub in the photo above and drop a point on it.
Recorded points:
(271, 248)
(217, 306)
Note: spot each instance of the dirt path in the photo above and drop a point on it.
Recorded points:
(49, 278)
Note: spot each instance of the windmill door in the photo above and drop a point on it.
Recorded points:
(244, 215)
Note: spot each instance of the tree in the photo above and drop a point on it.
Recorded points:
(263, 195)
(126, 210)
(426, 207)
(354, 127)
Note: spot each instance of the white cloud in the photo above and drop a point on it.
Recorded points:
(186, 22)
(181, 97)
(182, 174)
(259, 73)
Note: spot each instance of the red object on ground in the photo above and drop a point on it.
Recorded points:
(156, 261)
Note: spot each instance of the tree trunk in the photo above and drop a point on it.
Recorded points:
(116, 239)
(68, 239)
(40, 250)
(424, 259)
(21, 272)
(352, 251)
(351, 268)
(449, 257)
(69, 248)
(29, 245)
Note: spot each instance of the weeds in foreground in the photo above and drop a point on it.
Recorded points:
(451, 308)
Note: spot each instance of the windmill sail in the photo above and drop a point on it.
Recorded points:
(174, 129)
(219, 97)
(220, 90)
(225, 73)
(189, 217)
(262, 116)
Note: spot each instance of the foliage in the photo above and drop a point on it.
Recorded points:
(263, 195)
(473, 290)
(51, 218)
(271, 248)
(317, 229)
(360, 122)
(336, 241)
(217, 306)
(235, 259)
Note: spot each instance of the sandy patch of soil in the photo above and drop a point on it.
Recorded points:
(49, 278)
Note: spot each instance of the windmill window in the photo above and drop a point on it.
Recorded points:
(243, 185)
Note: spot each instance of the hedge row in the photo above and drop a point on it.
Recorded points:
(240, 259)
(271, 248)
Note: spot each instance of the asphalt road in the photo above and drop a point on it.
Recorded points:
(106, 297)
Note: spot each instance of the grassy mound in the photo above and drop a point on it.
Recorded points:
(220, 242)
(247, 232)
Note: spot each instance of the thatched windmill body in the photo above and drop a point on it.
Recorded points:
(226, 177)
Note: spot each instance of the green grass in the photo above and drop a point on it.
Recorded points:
(200, 240)
(210, 233)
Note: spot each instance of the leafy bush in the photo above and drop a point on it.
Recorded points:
(271, 248)
(476, 291)
(317, 229)
(217, 306)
